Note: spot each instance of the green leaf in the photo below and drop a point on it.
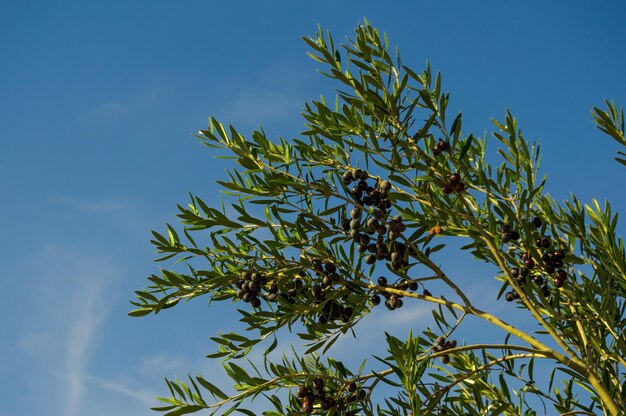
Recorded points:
(466, 147)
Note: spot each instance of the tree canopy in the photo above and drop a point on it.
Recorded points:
(359, 212)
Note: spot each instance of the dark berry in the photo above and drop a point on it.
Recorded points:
(559, 254)
(459, 187)
(537, 222)
(514, 272)
(558, 281)
(524, 272)
(318, 382)
(316, 291)
(385, 185)
(303, 392)
(455, 178)
(347, 177)
(436, 151)
(513, 235)
(440, 340)
(538, 280)
(413, 286)
(509, 296)
(373, 223)
(530, 263)
(375, 299)
(562, 273)
(370, 259)
(328, 403)
(546, 243)
(355, 213)
(442, 146)
(327, 281)
(255, 302)
(448, 189)
(307, 406)
(352, 387)
(395, 302)
(382, 281)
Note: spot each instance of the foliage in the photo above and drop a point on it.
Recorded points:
(381, 179)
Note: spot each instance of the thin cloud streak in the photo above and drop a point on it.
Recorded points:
(145, 396)
(91, 206)
(259, 106)
(80, 342)
(69, 307)
(117, 109)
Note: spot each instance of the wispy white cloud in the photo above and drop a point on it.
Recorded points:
(161, 364)
(370, 332)
(121, 108)
(276, 94)
(258, 105)
(90, 314)
(62, 333)
(91, 206)
(142, 395)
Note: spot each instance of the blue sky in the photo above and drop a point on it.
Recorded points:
(98, 101)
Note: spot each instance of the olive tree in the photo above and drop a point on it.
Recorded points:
(315, 232)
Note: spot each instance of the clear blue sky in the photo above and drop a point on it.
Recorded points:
(98, 101)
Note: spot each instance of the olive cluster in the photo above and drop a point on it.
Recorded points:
(367, 195)
(551, 263)
(250, 285)
(332, 310)
(384, 246)
(392, 300)
(454, 184)
(442, 345)
(318, 392)
(441, 146)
